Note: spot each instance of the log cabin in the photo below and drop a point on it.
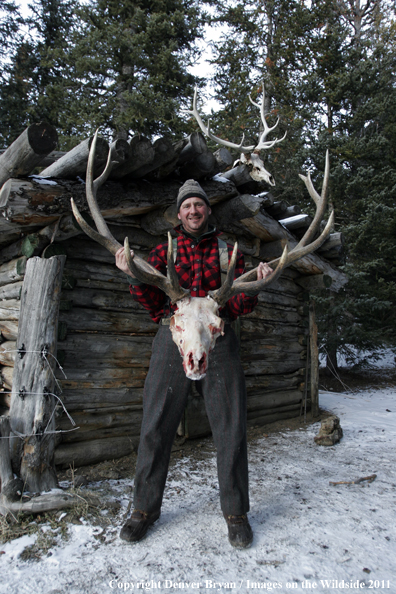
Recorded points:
(103, 339)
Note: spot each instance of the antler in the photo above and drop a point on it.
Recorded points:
(263, 143)
(206, 130)
(248, 282)
(141, 269)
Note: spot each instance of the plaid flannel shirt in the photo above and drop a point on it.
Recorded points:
(198, 269)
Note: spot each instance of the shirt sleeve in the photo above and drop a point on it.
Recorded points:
(152, 298)
(240, 304)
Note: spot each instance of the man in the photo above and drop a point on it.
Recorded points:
(166, 387)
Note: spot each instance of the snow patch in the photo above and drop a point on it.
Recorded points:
(307, 531)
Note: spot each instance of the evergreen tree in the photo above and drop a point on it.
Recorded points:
(364, 193)
(10, 22)
(34, 86)
(130, 63)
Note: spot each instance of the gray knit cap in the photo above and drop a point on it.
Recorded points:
(191, 189)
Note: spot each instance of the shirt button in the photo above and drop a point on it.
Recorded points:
(193, 246)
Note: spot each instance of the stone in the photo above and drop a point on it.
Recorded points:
(330, 432)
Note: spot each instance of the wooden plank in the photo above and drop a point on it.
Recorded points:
(74, 162)
(9, 329)
(260, 329)
(287, 365)
(10, 309)
(6, 376)
(92, 452)
(13, 271)
(8, 353)
(273, 400)
(268, 346)
(276, 416)
(6, 474)
(111, 300)
(91, 351)
(275, 313)
(80, 436)
(86, 399)
(108, 322)
(261, 383)
(11, 291)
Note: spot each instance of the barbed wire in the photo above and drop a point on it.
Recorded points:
(43, 354)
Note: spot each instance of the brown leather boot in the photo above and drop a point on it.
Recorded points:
(136, 526)
(240, 533)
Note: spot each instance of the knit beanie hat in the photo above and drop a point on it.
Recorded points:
(191, 189)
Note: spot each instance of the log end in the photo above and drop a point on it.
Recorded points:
(43, 138)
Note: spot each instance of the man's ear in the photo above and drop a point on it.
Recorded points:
(209, 211)
(178, 216)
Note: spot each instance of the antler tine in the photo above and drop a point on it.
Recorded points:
(222, 295)
(93, 186)
(148, 274)
(320, 201)
(262, 143)
(242, 285)
(206, 130)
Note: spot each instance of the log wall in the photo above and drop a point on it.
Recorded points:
(104, 348)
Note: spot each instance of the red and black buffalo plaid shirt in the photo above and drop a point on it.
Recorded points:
(198, 268)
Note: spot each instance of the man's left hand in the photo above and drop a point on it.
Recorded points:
(263, 270)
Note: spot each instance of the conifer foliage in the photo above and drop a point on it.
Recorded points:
(119, 65)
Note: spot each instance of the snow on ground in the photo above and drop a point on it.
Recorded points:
(309, 535)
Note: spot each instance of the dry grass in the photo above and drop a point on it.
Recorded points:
(49, 528)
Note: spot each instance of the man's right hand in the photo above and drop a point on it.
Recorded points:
(121, 262)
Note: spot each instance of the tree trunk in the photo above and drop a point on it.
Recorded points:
(27, 151)
(32, 403)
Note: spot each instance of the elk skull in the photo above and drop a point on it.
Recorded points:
(250, 155)
(195, 327)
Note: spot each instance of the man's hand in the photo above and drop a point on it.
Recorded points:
(121, 262)
(263, 270)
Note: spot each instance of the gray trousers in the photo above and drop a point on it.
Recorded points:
(164, 400)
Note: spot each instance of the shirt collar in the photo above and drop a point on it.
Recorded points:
(212, 232)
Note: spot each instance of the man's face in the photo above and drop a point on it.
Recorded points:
(194, 214)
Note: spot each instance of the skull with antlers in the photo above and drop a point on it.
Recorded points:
(195, 326)
(250, 155)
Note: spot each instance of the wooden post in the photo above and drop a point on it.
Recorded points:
(6, 474)
(314, 352)
(32, 405)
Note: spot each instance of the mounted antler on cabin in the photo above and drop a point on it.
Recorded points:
(250, 155)
(195, 325)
